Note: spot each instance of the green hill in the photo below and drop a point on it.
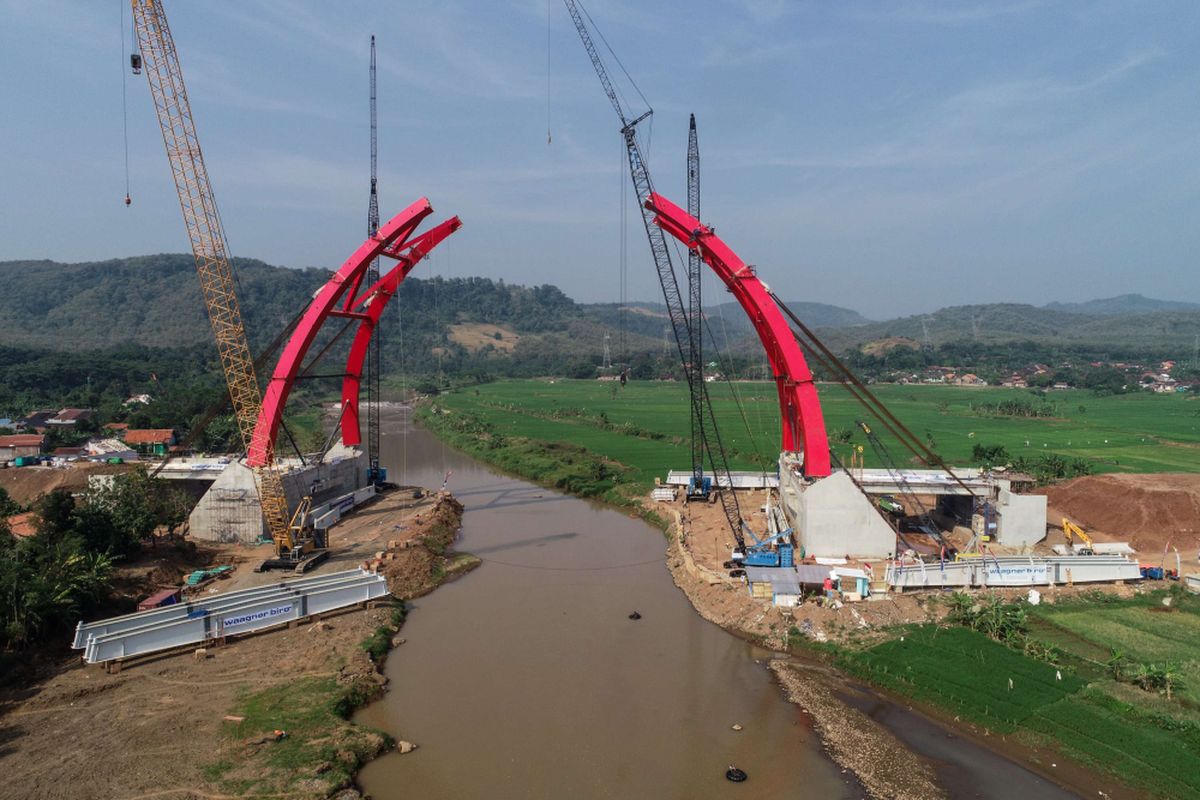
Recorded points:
(1123, 304)
(1161, 332)
(154, 301)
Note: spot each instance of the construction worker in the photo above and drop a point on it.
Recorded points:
(829, 591)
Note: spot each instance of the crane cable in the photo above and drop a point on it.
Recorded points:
(124, 105)
(616, 58)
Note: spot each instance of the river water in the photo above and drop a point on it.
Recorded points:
(526, 678)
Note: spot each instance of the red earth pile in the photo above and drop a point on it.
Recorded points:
(1150, 512)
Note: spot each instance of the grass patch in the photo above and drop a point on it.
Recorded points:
(379, 643)
(964, 672)
(1143, 750)
(320, 752)
(1139, 630)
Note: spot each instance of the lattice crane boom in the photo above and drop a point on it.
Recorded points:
(695, 310)
(676, 311)
(203, 223)
(374, 362)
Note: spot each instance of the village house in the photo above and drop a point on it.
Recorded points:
(21, 444)
(36, 421)
(70, 417)
(151, 441)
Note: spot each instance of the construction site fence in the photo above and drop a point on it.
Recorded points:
(1001, 571)
(227, 614)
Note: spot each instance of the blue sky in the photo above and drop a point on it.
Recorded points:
(891, 157)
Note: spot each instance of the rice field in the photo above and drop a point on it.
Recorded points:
(645, 425)
(966, 674)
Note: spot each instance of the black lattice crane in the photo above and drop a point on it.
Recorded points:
(374, 472)
(695, 355)
(676, 312)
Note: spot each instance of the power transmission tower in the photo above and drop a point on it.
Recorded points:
(606, 367)
(374, 473)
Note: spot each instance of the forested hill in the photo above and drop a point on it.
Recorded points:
(155, 301)
(1165, 334)
(481, 325)
(147, 300)
(1124, 304)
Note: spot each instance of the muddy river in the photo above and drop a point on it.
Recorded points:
(527, 678)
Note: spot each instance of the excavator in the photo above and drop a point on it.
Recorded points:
(297, 546)
(1071, 531)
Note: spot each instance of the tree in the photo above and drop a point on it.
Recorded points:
(8, 506)
(989, 454)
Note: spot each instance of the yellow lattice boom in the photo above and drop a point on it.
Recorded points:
(207, 237)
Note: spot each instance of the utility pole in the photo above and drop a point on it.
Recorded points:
(374, 473)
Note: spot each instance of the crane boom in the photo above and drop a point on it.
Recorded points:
(203, 222)
(374, 364)
(695, 311)
(680, 326)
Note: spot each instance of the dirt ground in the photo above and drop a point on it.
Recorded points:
(727, 602)
(1151, 512)
(25, 484)
(149, 730)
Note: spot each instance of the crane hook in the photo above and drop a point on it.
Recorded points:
(128, 201)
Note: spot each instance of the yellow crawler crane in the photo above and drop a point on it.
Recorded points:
(295, 544)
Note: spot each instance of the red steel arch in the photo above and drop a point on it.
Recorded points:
(393, 241)
(799, 407)
(376, 299)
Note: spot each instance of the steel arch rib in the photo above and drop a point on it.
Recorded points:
(803, 422)
(391, 240)
(376, 298)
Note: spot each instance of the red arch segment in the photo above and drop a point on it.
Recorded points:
(392, 241)
(376, 299)
(803, 422)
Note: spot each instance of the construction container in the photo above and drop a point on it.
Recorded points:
(165, 597)
(27, 461)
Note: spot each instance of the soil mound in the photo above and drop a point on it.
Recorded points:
(1148, 511)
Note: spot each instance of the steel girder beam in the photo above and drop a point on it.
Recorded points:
(803, 422)
(392, 240)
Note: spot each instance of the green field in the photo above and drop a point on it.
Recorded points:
(1141, 629)
(967, 674)
(645, 424)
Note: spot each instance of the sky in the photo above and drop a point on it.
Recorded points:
(891, 157)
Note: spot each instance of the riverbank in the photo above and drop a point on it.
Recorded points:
(189, 725)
